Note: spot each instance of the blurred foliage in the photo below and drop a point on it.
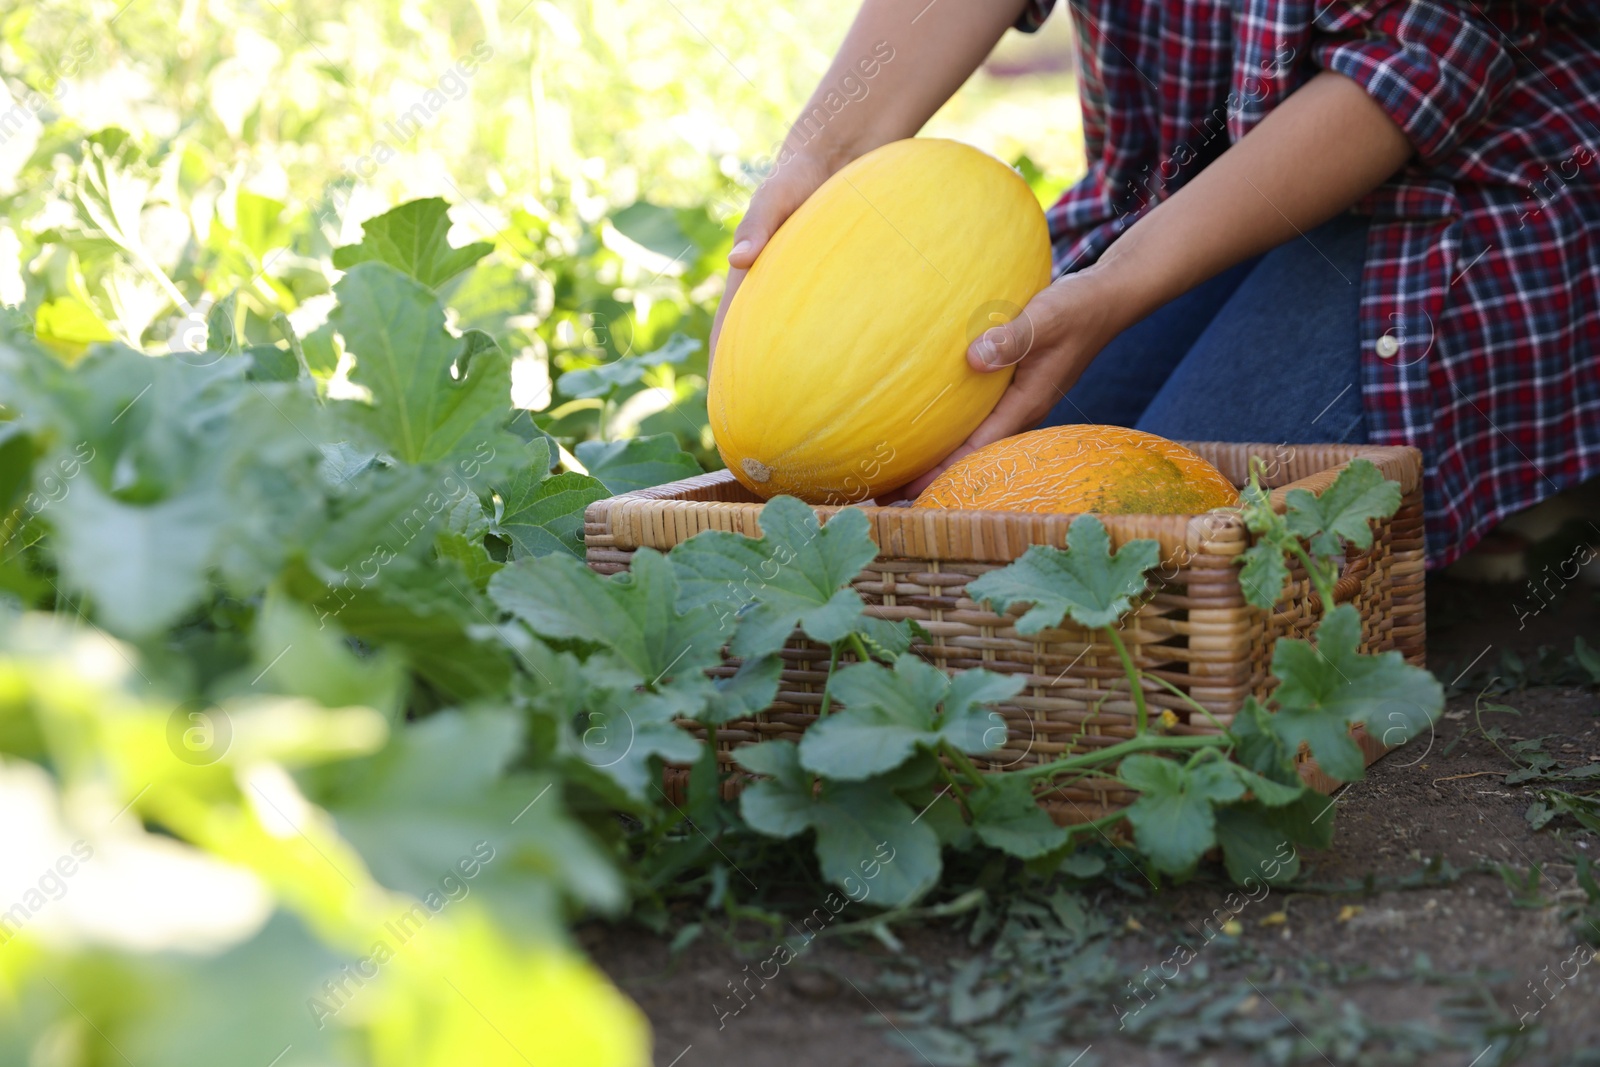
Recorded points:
(273, 779)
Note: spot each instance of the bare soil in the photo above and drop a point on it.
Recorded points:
(1472, 938)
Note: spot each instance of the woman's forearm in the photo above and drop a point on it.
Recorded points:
(1313, 156)
(920, 53)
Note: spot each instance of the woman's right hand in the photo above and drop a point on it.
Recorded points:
(779, 196)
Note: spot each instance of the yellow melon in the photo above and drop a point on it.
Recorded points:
(841, 368)
(1107, 469)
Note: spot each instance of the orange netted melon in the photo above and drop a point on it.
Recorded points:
(841, 368)
(1107, 469)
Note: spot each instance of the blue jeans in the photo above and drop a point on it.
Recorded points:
(1268, 351)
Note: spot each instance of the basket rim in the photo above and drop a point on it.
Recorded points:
(662, 516)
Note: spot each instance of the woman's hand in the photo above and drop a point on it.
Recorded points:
(894, 69)
(1274, 184)
(1049, 343)
(785, 189)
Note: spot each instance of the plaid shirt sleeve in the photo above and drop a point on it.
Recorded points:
(1437, 69)
(1480, 308)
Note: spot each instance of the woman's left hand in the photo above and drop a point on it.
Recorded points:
(1050, 343)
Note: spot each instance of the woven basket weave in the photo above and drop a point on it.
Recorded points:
(1194, 630)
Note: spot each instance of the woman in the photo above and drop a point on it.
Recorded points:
(1333, 222)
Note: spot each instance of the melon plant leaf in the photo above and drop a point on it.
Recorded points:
(1006, 816)
(633, 614)
(414, 239)
(796, 574)
(142, 565)
(623, 733)
(1258, 747)
(1344, 512)
(296, 654)
(716, 701)
(888, 715)
(637, 462)
(543, 513)
(1325, 688)
(375, 516)
(269, 363)
(222, 334)
(1262, 573)
(750, 691)
(588, 383)
(866, 835)
(1269, 792)
(1253, 849)
(1086, 582)
(656, 228)
(439, 793)
(184, 1017)
(461, 539)
(429, 610)
(1173, 820)
(433, 396)
(780, 805)
(886, 640)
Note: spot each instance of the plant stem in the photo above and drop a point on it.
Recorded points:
(1135, 685)
(860, 648)
(1189, 700)
(1319, 582)
(955, 790)
(1124, 748)
(1098, 824)
(965, 766)
(833, 661)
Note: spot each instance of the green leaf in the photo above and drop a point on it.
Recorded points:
(867, 835)
(142, 565)
(589, 383)
(438, 801)
(1263, 573)
(792, 576)
(542, 513)
(414, 239)
(1587, 658)
(222, 334)
(174, 1008)
(657, 229)
(888, 715)
(295, 654)
(632, 614)
(1173, 821)
(1086, 582)
(780, 806)
(888, 641)
(1322, 690)
(626, 731)
(269, 363)
(637, 462)
(1253, 849)
(1006, 816)
(1269, 792)
(1344, 512)
(750, 691)
(462, 540)
(430, 611)
(433, 396)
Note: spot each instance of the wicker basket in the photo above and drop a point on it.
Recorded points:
(1194, 630)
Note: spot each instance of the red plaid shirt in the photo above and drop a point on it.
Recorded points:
(1480, 302)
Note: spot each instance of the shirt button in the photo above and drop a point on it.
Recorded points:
(1387, 347)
